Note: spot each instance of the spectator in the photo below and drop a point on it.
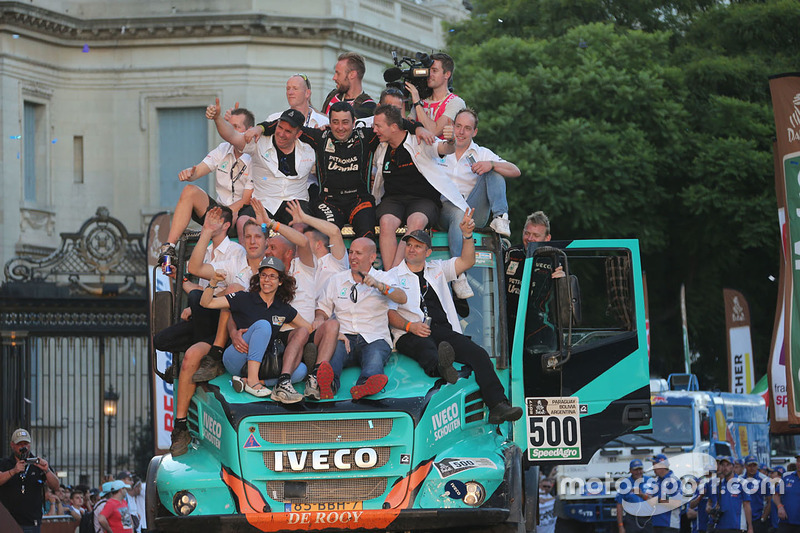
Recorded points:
(348, 75)
(127, 478)
(547, 510)
(281, 163)
(115, 517)
(787, 500)
(22, 479)
(52, 504)
(440, 108)
(76, 508)
(137, 492)
(100, 503)
(409, 183)
(233, 185)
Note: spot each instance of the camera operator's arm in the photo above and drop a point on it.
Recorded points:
(8, 474)
(436, 126)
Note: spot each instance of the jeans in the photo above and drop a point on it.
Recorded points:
(488, 195)
(371, 356)
(257, 338)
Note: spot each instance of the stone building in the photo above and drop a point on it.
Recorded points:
(102, 105)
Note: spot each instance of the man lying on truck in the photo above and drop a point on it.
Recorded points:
(426, 326)
(359, 335)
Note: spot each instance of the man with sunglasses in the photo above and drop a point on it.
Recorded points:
(233, 186)
(359, 298)
(281, 163)
(426, 327)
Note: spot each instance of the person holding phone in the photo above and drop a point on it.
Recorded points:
(22, 480)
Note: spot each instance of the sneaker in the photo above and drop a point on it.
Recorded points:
(284, 392)
(446, 358)
(373, 385)
(504, 412)
(310, 355)
(325, 377)
(180, 441)
(167, 250)
(501, 225)
(208, 370)
(312, 387)
(461, 287)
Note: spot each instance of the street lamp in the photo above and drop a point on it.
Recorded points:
(110, 410)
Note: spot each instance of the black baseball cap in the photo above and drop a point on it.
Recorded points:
(294, 117)
(419, 235)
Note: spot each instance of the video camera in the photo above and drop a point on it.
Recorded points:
(416, 74)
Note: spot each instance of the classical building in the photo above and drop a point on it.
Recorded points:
(102, 105)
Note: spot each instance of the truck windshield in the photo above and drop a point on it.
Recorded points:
(672, 425)
(784, 445)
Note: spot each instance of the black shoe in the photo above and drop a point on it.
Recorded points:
(504, 412)
(180, 441)
(167, 250)
(462, 307)
(446, 358)
(169, 374)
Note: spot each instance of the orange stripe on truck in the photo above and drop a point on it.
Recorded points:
(248, 498)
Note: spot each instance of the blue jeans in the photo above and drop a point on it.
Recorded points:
(371, 356)
(489, 195)
(257, 338)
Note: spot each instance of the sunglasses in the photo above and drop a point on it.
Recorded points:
(305, 79)
(354, 293)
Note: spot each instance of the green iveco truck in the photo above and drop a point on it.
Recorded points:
(421, 454)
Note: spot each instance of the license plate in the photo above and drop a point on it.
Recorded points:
(322, 507)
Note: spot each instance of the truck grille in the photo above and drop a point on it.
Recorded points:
(306, 432)
(331, 490)
(269, 461)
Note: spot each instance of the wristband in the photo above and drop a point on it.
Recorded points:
(467, 237)
(418, 102)
(263, 129)
(408, 326)
(209, 286)
(277, 227)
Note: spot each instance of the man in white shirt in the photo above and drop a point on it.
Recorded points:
(281, 163)
(233, 185)
(426, 326)
(359, 298)
(440, 108)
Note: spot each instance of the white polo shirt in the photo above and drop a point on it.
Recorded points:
(271, 186)
(368, 315)
(228, 256)
(327, 266)
(232, 176)
(460, 171)
(438, 273)
(305, 295)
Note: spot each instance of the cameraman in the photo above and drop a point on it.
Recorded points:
(440, 108)
(22, 479)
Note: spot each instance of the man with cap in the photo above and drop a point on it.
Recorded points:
(127, 478)
(427, 328)
(771, 510)
(22, 480)
(115, 517)
(281, 163)
(730, 498)
(738, 467)
(668, 492)
(756, 485)
(633, 489)
(787, 501)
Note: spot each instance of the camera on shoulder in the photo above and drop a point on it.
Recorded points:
(414, 71)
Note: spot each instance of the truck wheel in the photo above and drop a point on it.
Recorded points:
(519, 513)
(153, 506)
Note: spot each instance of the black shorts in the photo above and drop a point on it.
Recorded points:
(402, 206)
(246, 210)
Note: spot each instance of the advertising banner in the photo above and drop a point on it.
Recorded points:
(740, 346)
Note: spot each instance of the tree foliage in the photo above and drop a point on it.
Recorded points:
(647, 119)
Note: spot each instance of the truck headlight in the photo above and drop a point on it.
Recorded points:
(184, 502)
(475, 494)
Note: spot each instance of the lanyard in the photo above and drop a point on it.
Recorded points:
(242, 167)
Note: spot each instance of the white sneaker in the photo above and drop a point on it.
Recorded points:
(501, 225)
(461, 287)
(312, 387)
(284, 392)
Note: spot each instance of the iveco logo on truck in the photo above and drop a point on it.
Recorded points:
(342, 459)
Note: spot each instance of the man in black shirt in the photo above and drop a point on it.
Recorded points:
(348, 75)
(22, 480)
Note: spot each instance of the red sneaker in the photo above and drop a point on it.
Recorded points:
(373, 385)
(325, 381)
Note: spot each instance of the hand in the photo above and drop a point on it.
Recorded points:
(482, 167)
(420, 329)
(52, 498)
(346, 342)
(19, 467)
(467, 225)
(187, 174)
(294, 209)
(229, 112)
(253, 134)
(558, 273)
(212, 111)
(219, 276)
(261, 212)
(318, 321)
(413, 93)
(42, 465)
(448, 134)
(238, 342)
(213, 221)
(424, 135)
(186, 314)
(369, 281)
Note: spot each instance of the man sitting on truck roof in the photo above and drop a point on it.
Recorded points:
(426, 327)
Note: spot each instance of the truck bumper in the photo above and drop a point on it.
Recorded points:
(385, 520)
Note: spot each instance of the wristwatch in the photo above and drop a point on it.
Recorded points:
(418, 102)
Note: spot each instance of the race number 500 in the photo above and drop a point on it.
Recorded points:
(554, 428)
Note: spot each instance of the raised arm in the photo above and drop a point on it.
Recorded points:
(291, 234)
(225, 129)
(192, 173)
(212, 223)
(338, 249)
(435, 126)
(467, 258)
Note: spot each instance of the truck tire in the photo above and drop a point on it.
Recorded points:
(518, 498)
(531, 511)
(573, 526)
(152, 503)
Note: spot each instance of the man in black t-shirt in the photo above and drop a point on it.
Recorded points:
(22, 480)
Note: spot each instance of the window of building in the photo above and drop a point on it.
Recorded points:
(34, 148)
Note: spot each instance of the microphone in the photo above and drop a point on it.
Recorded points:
(392, 74)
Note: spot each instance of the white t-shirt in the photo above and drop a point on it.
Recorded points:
(460, 171)
(232, 176)
(547, 513)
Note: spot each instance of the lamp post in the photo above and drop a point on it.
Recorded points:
(110, 410)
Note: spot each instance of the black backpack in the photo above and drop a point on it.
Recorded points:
(87, 523)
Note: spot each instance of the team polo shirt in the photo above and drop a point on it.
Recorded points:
(367, 316)
(228, 256)
(305, 294)
(327, 266)
(402, 177)
(625, 491)
(460, 170)
(248, 307)
(118, 515)
(731, 495)
(270, 185)
(668, 487)
(231, 175)
(790, 499)
(22, 494)
(756, 487)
